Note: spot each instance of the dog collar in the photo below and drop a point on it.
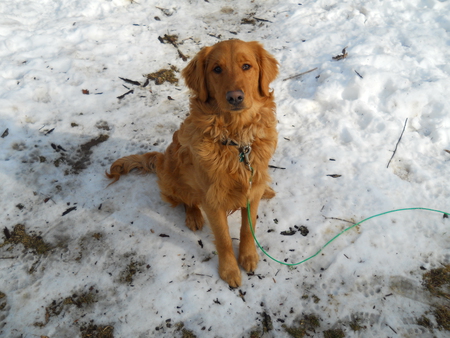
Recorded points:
(229, 142)
(244, 152)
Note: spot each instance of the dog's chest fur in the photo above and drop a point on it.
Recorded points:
(203, 137)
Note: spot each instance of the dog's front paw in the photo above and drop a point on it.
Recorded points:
(230, 273)
(249, 260)
(194, 218)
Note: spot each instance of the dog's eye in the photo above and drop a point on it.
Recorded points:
(217, 70)
(246, 67)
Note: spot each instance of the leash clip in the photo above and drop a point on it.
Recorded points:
(244, 154)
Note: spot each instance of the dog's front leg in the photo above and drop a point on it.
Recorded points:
(248, 256)
(228, 268)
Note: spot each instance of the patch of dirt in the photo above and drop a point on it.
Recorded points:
(127, 276)
(97, 331)
(266, 322)
(103, 125)
(80, 159)
(442, 315)
(57, 307)
(185, 333)
(306, 326)
(248, 21)
(425, 322)
(32, 242)
(437, 281)
(164, 75)
(355, 325)
(2, 301)
(173, 40)
(336, 333)
(87, 242)
(177, 330)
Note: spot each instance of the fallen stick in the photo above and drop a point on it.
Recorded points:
(395, 150)
(275, 167)
(338, 219)
(298, 75)
(123, 95)
(136, 83)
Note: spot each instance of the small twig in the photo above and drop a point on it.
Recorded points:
(136, 83)
(68, 210)
(298, 75)
(49, 131)
(5, 133)
(123, 95)
(395, 150)
(202, 275)
(359, 74)
(215, 36)
(275, 167)
(335, 175)
(338, 219)
(391, 328)
(262, 20)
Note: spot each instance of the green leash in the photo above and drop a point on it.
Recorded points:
(244, 157)
(331, 240)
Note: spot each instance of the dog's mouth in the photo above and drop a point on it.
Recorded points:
(238, 109)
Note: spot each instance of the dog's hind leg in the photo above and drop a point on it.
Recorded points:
(268, 193)
(194, 217)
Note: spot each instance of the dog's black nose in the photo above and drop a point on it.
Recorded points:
(235, 97)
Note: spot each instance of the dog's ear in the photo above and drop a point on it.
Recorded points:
(195, 74)
(268, 68)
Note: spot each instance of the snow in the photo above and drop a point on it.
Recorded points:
(344, 118)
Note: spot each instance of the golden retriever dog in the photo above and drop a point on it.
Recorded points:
(218, 159)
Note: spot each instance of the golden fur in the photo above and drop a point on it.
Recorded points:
(198, 169)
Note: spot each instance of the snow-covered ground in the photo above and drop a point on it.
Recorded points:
(117, 259)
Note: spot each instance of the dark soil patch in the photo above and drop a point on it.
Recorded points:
(173, 40)
(337, 333)
(425, 322)
(355, 325)
(306, 326)
(442, 315)
(167, 38)
(82, 156)
(185, 333)
(437, 281)
(97, 331)
(57, 307)
(33, 242)
(164, 75)
(127, 276)
(2, 301)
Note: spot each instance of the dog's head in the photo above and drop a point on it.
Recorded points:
(232, 73)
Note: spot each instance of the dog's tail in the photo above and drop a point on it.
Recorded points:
(145, 163)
